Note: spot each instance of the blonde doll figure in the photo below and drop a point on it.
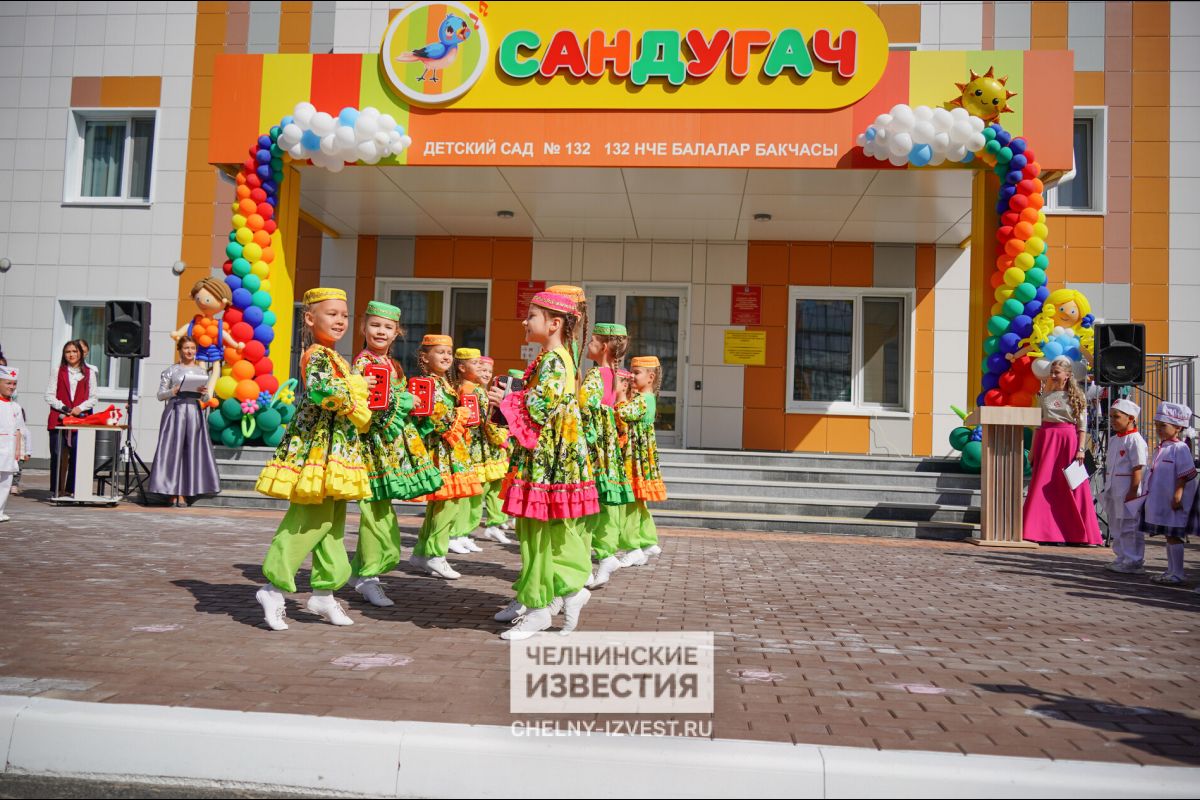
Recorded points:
(1067, 309)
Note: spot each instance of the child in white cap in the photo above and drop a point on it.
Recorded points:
(1170, 488)
(14, 435)
(1128, 454)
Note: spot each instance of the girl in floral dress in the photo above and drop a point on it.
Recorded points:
(495, 442)
(398, 464)
(597, 400)
(641, 535)
(549, 487)
(317, 467)
(447, 441)
(488, 446)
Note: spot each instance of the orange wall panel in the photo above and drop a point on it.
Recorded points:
(848, 435)
(512, 258)
(805, 433)
(433, 257)
(764, 387)
(853, 265)
(472, 258)
(809, 264)
(763, 430)
(767, 263)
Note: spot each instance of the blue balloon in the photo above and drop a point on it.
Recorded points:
(1017, 145)
(1018, 161)
(1010, 342)
(997, 363)
(263, 157)
(920, 155)
(270, 187)
(310, 141)
(1073, 353)
(977, 435)
(979, 397)
(400, 129)
(288, 120)
(990, 381)
(1002, 206)
(1003, 137)
(263, 171)
(253, 316)
(348, 115)
(1033, 308)
(968, 158)
(264, 141)
(1014, 177)
(242, 299)
(1043, 291)
(1022, 326)
(264, 334)
(233, 282)
(1052, 350)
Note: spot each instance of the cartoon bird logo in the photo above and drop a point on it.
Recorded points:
(440, 54)
(984, 96)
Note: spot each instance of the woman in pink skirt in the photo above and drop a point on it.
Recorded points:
(1054, 514)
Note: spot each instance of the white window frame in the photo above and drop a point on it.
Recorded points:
(1098, 115)
(112, 391)
(856, 406)
(73, 176)
(385, 286)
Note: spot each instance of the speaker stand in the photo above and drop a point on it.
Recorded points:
(134, 472)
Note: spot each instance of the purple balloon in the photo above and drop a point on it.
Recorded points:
(233, 282)
(242, 298)
(264, 334)
(1021, 325)
(997, 363)
(990, 381)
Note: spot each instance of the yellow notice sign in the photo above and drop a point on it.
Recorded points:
(746, 347)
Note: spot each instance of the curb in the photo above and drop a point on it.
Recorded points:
(422, 759)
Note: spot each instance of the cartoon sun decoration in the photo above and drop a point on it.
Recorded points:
(984, 96)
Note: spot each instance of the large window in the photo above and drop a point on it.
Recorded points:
(110, 157)
(85, 320)
(1082, 189)
(849, 352)
(458, 309)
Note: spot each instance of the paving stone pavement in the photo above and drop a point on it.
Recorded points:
(820, 639)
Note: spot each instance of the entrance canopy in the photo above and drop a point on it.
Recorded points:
(929, 206)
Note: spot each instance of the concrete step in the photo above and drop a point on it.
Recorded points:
(829, 460)
(797, 523)
(815, 473)
(711, 486)
(748, 506)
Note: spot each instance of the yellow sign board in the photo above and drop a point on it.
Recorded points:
(636, 55)
(746, 347)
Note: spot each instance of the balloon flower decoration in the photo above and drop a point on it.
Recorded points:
(1028, 325)
(252, 406)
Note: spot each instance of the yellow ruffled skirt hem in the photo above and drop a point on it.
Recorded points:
(314, 483)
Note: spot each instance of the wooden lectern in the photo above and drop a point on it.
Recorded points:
(1003, 473)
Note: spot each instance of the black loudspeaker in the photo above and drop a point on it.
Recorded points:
(127, 328)
(1120, 355)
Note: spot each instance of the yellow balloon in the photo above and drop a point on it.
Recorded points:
(1024, 262)
(1041, 216)
(253, 252)
(239, 222)
(1034, 246)
(235, 207)
(1041, 231)
(226, 371)
(996, 309)
(1003, 293)
(244, 236)
(1014, 276)
(265, 286)
(260, 268)
(225, 387)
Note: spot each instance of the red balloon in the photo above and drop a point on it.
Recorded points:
(227, 267)
(232, 316)
(1021, 400)
(1022, 365)
(253, 181)
(1004, 233)
(265, 210)
(249, 164)
(1009, 382)
(1030, 158)
(269, 226)
(1032, 170)
(994, 397)
(268, 383)
(1009, 218)
(1031, 384)
(242, 331)
(1025, 187)
(253, 150)
(997, 280)
(1004, 262)
(254, 350)
(258, 195)
(263, 367)
(1019, 202)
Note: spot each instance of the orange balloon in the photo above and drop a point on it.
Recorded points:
(262, 239)
(248, 207)
(268, 255)
(204, 340)
(243, 370)
(997, 280)
(1036, 201)
(1029, 215)
(243, 191)
(241, 179)
(1023, 230)
(1004, 262)
(1038, 186)
(1014, 247)
(254, 222)
(246, 390)
(232, 356)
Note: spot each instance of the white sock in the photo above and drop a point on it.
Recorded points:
(1175, 560)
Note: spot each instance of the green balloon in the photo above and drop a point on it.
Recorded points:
(231, 409)
(1028, 438)
(1036, 277)
(989, 134)
(1025, 292)
(997, 324)
(1004, 155)
(992, 146)
(217, 422)
(989, 345)
(261, 299)
(1028, 465)
(1000, 169)
(273, 438)
(287, 412)
(232, 437)
(1013, 308)
(959, 437)
(269, 420)
(1041, 262)
(269, 318)
(972, 456)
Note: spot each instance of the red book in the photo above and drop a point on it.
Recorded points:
(471, 404)
(422, 390)
(380, 395)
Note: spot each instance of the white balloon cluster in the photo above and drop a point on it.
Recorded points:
(923, 135)
(352, 135)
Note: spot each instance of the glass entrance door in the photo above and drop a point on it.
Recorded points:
(657, 322)
(459, 311)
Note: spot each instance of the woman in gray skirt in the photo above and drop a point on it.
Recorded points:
(184, 466)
